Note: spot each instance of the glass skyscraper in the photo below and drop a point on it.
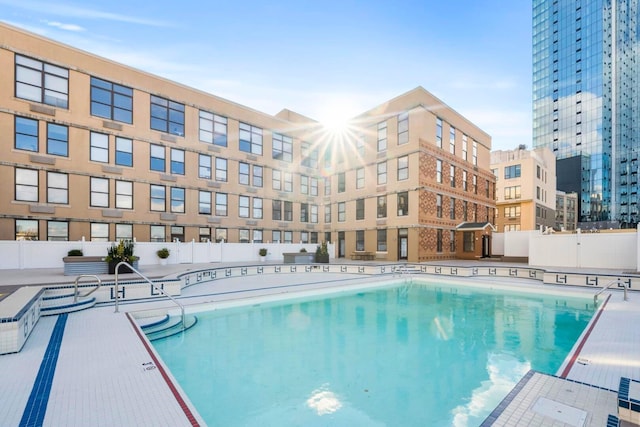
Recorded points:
(586, 102)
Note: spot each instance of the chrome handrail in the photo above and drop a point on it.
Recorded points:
(145, 278)
(607, 286)
(75, 286)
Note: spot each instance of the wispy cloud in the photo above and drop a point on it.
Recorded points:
(66, 27)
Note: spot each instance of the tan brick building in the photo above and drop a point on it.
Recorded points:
(97, 150)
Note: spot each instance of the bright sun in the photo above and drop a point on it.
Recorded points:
(335, 113)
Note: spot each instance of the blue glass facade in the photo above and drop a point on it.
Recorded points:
(585, 101)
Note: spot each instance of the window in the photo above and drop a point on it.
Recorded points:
(57, 188)
(158, 198)
(468, 240)
(452, 176)
(57, 231)
(177, 199)
(474, 154)
(465, 147)
(124, 151)
(452, 208)
(381, 238)
(26, 185)
(452, 143)
(342, 212)
(313, 214)
(157, 233)
(512, 227)
(288, 211)
(257, 175)
(512, 171)
(124, 232)
(221, 169)
(243, 173)
(276, 179)
(204, 234)
(99, 196)
(359, 209)
(439, 205)
(360, 178)
(222, 235)
(464, 180)
(250, 139)
(382, 173)
(452, 240)
(304, 184)
(41, 82)
(486, 188)
(538, 171)
(243, 206)
(304, 212)
(99, 232)
(282, 147)
(382, 207)
(327, 186)
(204, 166)
(439, 171)
(57, 140)
(403, 168)
(257, 236)
(314, 186)
(276, 210)
(359, 240)
(360, 145)
(538, 193)
(327, 214)
(221, 205)
(213, 129)
(382, 136)
(512, 192)
(111, 101)
(403, 203)
(27, 229)
(177, 161)
(124, 195)
(257, 208)
(341, 182)
(309, 156)
(439, 240)
(276, 236)
(288, 237)
(26, 134)
(512, 212)
(465, 210)
(204, 203)
(99, 147)
(314, 237)
(474, 184)
(177, 233)
(403, 128)
(167, 116)
(288, 182)
(157, 158)
(439, 133)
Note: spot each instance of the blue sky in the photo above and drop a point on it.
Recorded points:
(322, 59)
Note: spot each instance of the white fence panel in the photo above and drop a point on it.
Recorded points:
(554, 250)
(497, 244)
(516, 243)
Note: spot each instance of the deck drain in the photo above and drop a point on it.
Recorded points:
(560, 412)
(583, 361)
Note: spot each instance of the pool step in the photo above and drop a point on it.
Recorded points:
(168, 326)
(629, 401)
(64, 304)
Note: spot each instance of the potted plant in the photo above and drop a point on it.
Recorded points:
(263, 254)
(123, 251)
(163, 254)
(322, 253)
(75, 252)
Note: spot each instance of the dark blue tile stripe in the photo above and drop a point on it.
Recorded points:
(33, 415)
(495, 414)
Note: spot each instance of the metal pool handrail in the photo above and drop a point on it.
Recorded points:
(146, 279)
(75, 286)
(608, 285)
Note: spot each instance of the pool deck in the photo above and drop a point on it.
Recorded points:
(103, 374)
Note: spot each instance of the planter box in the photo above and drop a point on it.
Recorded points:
(298, 257)
(77, 265)
(123, 268)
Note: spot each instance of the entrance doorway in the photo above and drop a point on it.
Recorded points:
(486, 246)
(341, 244)
(403, 243)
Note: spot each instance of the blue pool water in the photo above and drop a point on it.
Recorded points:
(407, 355)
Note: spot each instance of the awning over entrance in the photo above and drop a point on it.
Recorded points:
(475, 226)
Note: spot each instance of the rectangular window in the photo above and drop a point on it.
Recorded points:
(309, 156)
(42, 82)
(167, 116)
(204, 166)
(26, 185)
(257, 175)
(465, 210)
(452, 208)
(360, 145)
(288, 182)
(288, 211)
(221, 204)
(57, 231)
(359, 240)
(359, 209)
(304, 212)
(26, 134)
(439, 171)
(221, 169)
(403, 168)
(57, 140)
(157, 158)
(474, 153)
(222, 235)
(27, 229)
(439, 205)
(314, 186)
(204, 202)
(250, 139)
(512, 192)
(304, 184)
(381, 237)
(382, 207)
(288, 237)
(439, 133)
(257, 208)
(124, 151)
(124, 195)
(474, 184)
(276, 179)
(257, 236)
(99, 232)
(177, 200)
(99, 196)
(452, 141)
(468, 241)
(403, 128)
(314, 237)
(439, 240)
(157, 233)
(276, 236)
(341, 182)
(243, 206)
(99, 147)
(111, 101)
(243, 173)
(313, 214)
(403, 203)
(512, 171)
(465, 147)
(276, 210)
(204, 234)
(158, 198)
(57, 188)
(382, 136)
(327, 214)
(177, 161)
(464, 180)
(382, 173)
(177, 233)
(213, 129)
(452, 241)
(124, 232)
(486, 188)
(342, 212)
(512, 212)
(452, 176)
(327, 186)
(360, 178)
(282, 147)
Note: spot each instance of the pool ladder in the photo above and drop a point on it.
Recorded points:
(607, 286)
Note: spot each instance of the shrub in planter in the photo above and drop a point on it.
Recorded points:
(322, 253)
(163, 253)
(123, 251)
(262, 252)
(75, 252)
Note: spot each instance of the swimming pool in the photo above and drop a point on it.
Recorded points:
(404, 354)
